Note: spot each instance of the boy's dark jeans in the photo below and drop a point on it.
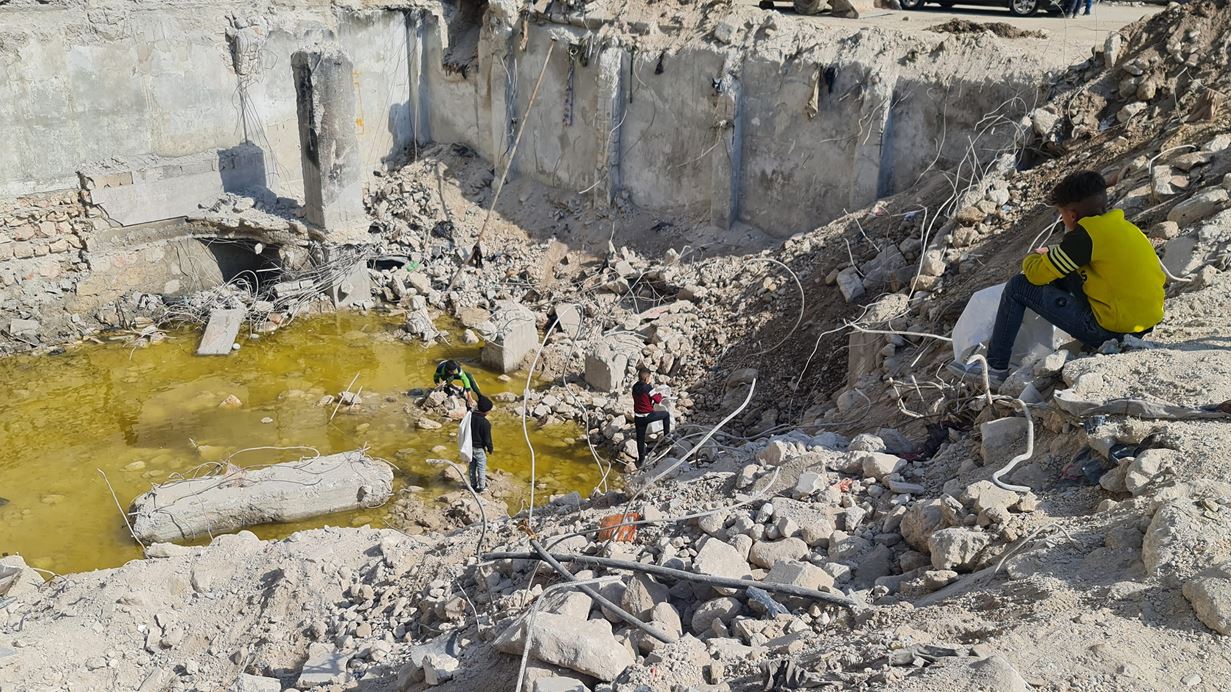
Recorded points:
(643, 422)
(1061, 303)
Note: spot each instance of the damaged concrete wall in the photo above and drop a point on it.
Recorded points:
(168, 98)
(719, 133)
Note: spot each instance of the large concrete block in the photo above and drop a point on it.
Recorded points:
(607, 362)
(278, 493)
(513, 336)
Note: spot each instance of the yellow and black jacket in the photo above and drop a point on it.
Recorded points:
(1119, 269)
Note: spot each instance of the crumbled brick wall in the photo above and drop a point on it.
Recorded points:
(42, 236)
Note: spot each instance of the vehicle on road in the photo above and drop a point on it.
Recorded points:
(1017, 8)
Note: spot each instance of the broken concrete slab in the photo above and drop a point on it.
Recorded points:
(325, 665)
(569, 318)
(278, 493)
(220, 332)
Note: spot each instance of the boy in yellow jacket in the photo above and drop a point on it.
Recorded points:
(1121, 282)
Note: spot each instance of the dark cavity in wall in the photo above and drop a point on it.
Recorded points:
(245, 262)
(465, 21)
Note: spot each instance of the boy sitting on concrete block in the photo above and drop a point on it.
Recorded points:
(1102, 281)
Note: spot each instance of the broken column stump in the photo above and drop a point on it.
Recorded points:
(328, 142)
(513, 336)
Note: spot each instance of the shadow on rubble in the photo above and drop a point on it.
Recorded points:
(244, 173)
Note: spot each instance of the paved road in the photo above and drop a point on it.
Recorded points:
(1071, 38)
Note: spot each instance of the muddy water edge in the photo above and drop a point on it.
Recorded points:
(148, 415)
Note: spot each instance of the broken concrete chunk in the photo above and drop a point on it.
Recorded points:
(278, 493)
(257, 683)
(586, 646)
(514, 337)
(984, 495)
(1143, 469)
(767, 553)
(439, 668)
(720, 559)
(802, 574)
(1209, 593)
(721, 609)
(776, 453)
(815, 521)
(957, 549)
(1200, 206)
(220, 332)
(1003, 439)
(878, 465)
(18, 580)
(850, 284)
(558, 683)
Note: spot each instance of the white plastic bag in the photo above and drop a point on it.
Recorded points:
(975, 325)
(465, 447)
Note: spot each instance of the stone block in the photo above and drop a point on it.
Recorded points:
(514, 336)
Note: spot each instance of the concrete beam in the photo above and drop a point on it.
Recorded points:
(328, 143)
(279, 493)
(613, 64)
(416, 33)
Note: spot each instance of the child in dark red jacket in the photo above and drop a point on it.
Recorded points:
(644, 398)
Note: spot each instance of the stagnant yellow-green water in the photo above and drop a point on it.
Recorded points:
(141, 415)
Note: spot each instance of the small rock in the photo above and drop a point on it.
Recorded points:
(231, 402)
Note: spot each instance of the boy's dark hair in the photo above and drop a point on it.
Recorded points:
(484, 404)
(451, 366)
(1083, 191)
(642, 371)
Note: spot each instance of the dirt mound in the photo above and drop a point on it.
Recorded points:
(1001, 29)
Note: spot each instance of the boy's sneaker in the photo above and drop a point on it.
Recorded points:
(974, 373)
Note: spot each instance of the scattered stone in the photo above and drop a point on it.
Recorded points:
(878, 465)
(802, 574)
(957, 549)
(586, 646)
(767, 553)
(1210, 595)
(1202, 205)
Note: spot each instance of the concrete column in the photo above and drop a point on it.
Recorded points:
(328, 143)
(727, 157)
(497, 72)
(866, 179)
(416, 45)
(612, 99)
